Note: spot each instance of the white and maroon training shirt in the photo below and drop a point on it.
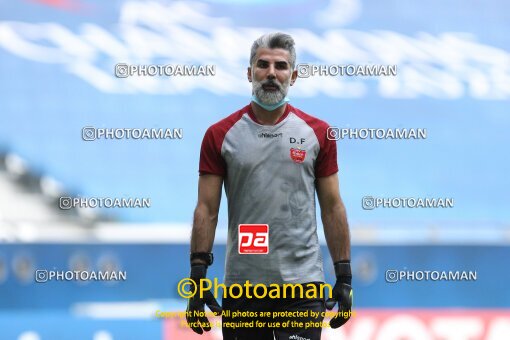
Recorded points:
(269, 173)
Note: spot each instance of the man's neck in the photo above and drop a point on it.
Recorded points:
(267, 117)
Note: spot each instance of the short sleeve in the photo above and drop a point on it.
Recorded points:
(326, 163)
(211, 161)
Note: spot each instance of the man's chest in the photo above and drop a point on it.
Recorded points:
(290, 145)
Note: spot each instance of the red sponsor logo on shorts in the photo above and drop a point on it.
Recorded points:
(253, 239)
(297, 155)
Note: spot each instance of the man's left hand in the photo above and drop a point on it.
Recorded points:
(342, 293)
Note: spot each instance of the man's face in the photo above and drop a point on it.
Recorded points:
(271, 75)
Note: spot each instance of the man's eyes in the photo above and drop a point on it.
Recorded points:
(279, 66)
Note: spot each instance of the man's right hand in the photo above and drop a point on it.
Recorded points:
(195, 314)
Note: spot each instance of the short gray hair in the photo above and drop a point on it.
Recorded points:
(275, 40)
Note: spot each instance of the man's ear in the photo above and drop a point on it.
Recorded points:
(293, 77)
(249, 74)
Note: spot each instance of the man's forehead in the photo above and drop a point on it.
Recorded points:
(272, 54)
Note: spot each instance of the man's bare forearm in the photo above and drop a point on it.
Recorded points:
(205, 217)
(204, 229)
(336, 230)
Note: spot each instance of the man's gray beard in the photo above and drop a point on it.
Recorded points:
(270, 97)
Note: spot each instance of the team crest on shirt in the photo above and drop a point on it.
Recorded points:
(297, 155)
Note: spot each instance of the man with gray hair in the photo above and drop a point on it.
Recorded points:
(272, 158)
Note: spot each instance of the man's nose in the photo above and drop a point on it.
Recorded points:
(271, 72)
